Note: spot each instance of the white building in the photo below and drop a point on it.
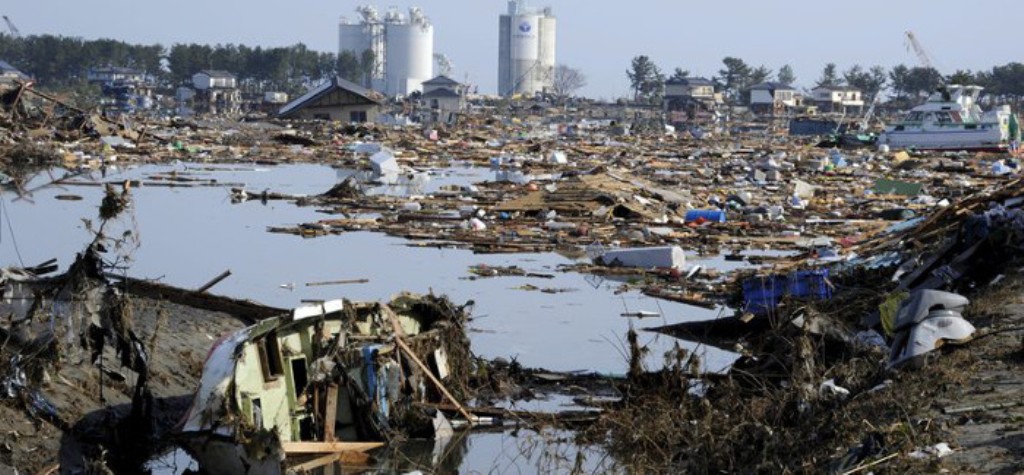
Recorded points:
(526, 50)
(772, 98)
(838, 99)
(401, 48)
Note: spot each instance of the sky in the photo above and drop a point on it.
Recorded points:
(599, 38)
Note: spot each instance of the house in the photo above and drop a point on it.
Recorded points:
(8, 72)
(216, 92)
(214, 79)
(772, 98)
(336, 99)
(838, 99)
(443, 97)
(340, 375)
(115, 75)
(688, 99)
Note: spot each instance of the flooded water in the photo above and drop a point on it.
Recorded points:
(186, 236)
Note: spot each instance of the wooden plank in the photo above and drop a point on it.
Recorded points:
(397, 326)
(330, 412)
(328, 447)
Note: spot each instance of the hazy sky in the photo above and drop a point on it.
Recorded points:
(597, 37)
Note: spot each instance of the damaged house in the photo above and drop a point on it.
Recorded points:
(335, 100)
(338, 377)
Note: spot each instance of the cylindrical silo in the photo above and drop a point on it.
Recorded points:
(353, 37)
(546, 64)
(410, 53)
(525, 52)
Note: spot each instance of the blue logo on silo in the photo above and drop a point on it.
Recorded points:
(525, 27)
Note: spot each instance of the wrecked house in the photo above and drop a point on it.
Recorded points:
(603, 195)
(336, 100)
(326, 379)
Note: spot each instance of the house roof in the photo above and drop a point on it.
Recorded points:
(771, 86)
(216, 73)
(836, 88)
(6, 67)
(691, 82)
(116, 70)
(441, 80)
(325, 88)
(439, 93)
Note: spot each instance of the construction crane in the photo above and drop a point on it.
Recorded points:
(915, 46)
(13, 29)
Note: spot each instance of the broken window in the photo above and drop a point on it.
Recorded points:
(270, 356)
(357, 116)
(257, 413)
(299, 376)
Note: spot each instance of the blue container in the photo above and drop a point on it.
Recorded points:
(761, 294)
(712, 215)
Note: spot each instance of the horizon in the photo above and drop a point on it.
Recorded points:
(468, 33)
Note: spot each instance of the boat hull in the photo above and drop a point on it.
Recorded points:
(950, 140)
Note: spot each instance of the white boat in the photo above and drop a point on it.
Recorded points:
(952, 120)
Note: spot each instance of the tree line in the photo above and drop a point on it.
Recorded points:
(58, 61)
(1003, 84)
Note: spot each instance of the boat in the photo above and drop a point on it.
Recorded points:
(335, 378)
(951, 120)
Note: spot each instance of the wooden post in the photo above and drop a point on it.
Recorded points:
(330, 412)
(399, 333)
(215, 281)
(328, 447)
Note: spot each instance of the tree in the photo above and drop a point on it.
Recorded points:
(348, 67)
(368, 66)
(923, 81)
(679, 74)
(645, 78)
(735, 77)
(898, 79)
(759, 75)
(870, 82)
(566, 81)
(829, 76)
(786, 75)
(961, 77)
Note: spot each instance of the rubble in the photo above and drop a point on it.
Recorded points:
(818, 330)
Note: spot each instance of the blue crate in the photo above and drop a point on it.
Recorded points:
(761, 294)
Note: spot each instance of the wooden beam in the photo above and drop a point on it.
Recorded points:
(350, 459)
(330, 412)
(397, 326)
(305, 447)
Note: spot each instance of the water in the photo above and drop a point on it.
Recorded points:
(186, 236)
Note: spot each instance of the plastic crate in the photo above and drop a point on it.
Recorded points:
(761, 294)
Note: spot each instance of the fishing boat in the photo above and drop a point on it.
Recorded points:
(952, 120)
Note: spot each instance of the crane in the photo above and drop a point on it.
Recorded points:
(13, 29)
(915, 46)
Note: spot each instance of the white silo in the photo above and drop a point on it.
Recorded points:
(409, 52)
(366, 35)
(526, 55)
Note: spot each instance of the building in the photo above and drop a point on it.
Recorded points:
(838, 99)
(772, 98)
(337, 100)
(688, 99)
(400, 49)
(115, 75)
(526, 50)
(8, 72)
(216, 92)
(444, 97)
